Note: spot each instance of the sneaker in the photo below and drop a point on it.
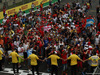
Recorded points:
(48, 70)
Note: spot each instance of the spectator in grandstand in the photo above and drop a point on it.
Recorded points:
(50, 2)
(20, 12)
(32, 6)
(41, 6)
(4, 11)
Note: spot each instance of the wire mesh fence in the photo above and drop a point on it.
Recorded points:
(96, 71)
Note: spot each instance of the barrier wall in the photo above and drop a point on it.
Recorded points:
(25, 7)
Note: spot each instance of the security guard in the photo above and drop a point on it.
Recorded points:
(34, 63)
(74, 62)
(54, 65)
(15, 56)
(1, 53)
(94, 60)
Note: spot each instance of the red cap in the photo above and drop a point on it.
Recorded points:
(97, 34)
(51, 22)
(97, 51)
(62, 50)
(89, 43)
(37, 14)
(72, 49)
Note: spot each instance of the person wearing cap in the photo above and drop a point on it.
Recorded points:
(64, 63)
(1, 41)
(34, 63)
(32, 6)
(41, 6)
(74, 61)
(1, 53)
(54, 64)
(85, 65)
(15, 56)
(94, 61)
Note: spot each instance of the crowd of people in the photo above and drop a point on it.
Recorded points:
(55, 32)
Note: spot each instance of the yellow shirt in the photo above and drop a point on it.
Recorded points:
(94, 60)
(14, 57)
(54, 59)
(33, 58)
(11, 32)
(73, 58)
(1, 55)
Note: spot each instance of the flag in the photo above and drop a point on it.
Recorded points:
(47, 28)
(89, 22)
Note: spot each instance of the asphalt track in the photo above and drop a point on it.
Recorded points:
(42, 66)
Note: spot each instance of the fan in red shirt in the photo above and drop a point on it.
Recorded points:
(85, 64)
(6, 38)
(99, 26)
(4, 11)
(64, 63)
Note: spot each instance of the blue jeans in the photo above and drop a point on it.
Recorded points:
(64, 67)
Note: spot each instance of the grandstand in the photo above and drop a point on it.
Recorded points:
(12, 3)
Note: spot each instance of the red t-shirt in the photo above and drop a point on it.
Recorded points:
(4, 10)
(6, 40)
(99, 25)
(64, 56)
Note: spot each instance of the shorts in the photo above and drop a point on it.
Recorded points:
(20, 60)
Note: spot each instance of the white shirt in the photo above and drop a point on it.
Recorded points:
(21, 49)
(4, 20)
(25, 46)
(16, 43)
(24, 14)
(97, 41)
(15, 25)
(49, 9)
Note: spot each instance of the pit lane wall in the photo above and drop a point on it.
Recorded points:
(25, 7)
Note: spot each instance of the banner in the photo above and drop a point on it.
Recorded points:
(47, 28)
(89, 22)
(22, 7)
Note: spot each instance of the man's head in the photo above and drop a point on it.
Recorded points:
(33, 52)
(94, 53)
(73, 52)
